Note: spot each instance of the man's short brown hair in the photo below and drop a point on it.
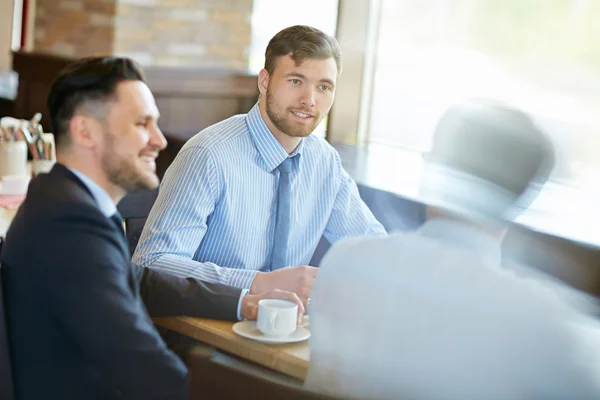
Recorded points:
(302, 42)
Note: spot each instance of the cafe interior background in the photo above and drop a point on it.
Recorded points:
(404, 62)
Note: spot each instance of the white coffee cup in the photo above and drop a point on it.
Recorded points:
(277, 317)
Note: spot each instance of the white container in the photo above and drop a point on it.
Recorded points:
(13, 185)
(49, 138)
(41, 166)
(13, 158)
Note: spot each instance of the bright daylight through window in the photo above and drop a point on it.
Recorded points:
(540, 56)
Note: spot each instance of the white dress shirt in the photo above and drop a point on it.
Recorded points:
(433, 315)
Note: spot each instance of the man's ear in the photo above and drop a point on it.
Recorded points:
(263, 81)
(83, 129)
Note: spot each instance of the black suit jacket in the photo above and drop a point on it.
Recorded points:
(77, 326)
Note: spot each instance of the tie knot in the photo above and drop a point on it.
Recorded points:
(286, 166)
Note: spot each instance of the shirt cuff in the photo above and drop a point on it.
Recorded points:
(239, 307)
(241, 278)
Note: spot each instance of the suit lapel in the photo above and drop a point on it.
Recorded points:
(61, 172)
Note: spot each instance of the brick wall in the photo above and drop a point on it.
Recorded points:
(74, 28)
(187, 33)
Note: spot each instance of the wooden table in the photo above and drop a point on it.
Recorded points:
(290, 359)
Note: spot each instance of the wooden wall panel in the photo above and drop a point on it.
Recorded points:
(189, 99)
(183, 117)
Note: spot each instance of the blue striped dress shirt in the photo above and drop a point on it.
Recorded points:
(108, 208)
(214, 217)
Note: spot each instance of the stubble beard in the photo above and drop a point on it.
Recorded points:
(282, 121)
(123, 172)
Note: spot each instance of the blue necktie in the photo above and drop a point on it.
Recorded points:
(282, 223)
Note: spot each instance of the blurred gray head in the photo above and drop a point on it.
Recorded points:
(487, 160)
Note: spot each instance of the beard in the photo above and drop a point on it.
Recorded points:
(280, 117)
(124, 172)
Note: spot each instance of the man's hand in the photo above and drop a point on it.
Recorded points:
(299, 280)
(250, 303)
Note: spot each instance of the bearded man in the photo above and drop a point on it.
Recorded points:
(78, 313)
(247, 200)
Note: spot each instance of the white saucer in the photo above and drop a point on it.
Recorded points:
(249, 330)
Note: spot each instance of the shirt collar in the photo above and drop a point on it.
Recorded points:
(105, 203)
(270, 150)
(463, 235)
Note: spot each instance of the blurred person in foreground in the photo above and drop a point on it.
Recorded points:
(77, 326)
(433, 314)
(246, 201)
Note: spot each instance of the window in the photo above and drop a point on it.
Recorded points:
(17, 22)
(539, 56)
(271, 16)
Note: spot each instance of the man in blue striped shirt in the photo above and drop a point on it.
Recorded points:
(216, 214)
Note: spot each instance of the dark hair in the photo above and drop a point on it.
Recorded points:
(89, 81)
(302, 42)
